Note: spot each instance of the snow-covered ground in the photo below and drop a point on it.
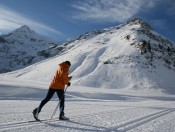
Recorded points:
(89, 109)
(114, 86)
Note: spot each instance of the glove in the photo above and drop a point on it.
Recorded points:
(69, 83)
(70, 77)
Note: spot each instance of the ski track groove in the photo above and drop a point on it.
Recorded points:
(8, 126)
(23, 124)
(120, 128)
(126, 126)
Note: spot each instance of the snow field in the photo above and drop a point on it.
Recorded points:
(90, 110)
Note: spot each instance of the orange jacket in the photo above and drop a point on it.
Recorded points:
(61, 77)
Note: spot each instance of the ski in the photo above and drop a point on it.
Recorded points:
(34, 121)
(38, 120)
(44, 120)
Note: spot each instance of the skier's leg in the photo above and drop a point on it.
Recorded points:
(36, 111)
(61, 97)
(47, 98)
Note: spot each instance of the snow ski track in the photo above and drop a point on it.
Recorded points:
(121, 127)
(8, 126)
(24, 124)
(126, 126)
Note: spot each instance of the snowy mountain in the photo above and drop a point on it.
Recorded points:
(129, 56)
(22, 48)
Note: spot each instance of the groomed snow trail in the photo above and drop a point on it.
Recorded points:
(117, 113)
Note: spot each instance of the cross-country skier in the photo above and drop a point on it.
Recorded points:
(57, 85)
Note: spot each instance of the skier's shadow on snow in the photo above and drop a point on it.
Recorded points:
(70, 122)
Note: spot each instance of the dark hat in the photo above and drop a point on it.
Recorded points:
(68, 62)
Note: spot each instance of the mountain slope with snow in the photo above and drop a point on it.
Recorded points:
(21, 48)
(112, 58)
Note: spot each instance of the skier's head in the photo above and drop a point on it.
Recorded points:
(68, 62)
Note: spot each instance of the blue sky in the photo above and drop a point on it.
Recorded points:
(65, 19)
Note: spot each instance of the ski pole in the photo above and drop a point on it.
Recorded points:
(58, 103)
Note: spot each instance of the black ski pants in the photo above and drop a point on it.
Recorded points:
(50, 94)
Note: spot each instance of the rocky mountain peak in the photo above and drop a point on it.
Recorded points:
(23, 30)
(138, 21)
(24, 27)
